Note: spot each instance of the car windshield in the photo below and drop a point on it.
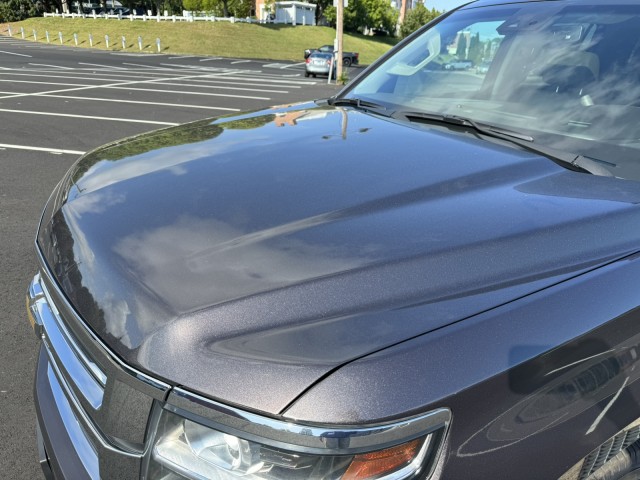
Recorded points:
(564, 73)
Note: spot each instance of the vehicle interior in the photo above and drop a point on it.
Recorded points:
(566, 75)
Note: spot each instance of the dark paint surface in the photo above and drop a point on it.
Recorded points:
(260, 253)
(533, 385)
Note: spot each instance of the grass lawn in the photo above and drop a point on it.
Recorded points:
(234, 40)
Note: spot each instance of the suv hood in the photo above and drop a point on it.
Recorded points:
(245, 258)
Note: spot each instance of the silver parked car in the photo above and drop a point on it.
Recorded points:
(318, 63)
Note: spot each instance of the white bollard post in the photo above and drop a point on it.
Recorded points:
(331, 69)
(75, 39)
(158, 44)
(106, 40)
(10, 34)
(91, 40)
(124, 42)
(35, 36)
(140, 42)
(46, 33)
(22, 31)
(60, 37)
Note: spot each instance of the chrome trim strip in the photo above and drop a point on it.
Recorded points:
(80, 414)
(58, 339)
(92, 367)
(83, 447)
(309, 438)
(35, 289)
(130, 371)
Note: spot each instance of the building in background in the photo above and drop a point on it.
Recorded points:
(291, 12)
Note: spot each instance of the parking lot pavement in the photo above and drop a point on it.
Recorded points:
(56, 103)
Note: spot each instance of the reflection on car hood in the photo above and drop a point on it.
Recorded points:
(228, 256)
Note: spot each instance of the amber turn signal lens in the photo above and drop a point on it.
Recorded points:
(377, 464)
(32, 321)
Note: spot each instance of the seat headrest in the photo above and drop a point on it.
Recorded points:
(568, 77)
(572, 71)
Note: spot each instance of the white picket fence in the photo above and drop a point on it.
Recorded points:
(154, 18)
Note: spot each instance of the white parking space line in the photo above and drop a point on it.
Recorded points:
(182, 92)
(272, 65)
(139, 102)
(197, 68)
(143, 81)
(18, 54)
(48, 83)
(282, 66)
(149, 67)
(301, 64)
(240, 61)
(222, 87)
(41, 149)
(113, 85)
(289, 85)
(211, 59)
(136, 54)
(186, 56)
(277, 80)
(102, 66)
(89, 117)
(284, 81)
(90, 74)
(102, 76)
(51, 66)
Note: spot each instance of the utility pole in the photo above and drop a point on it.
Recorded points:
(403, 12)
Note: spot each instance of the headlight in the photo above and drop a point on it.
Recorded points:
(189, 445)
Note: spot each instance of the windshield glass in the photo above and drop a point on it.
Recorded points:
(565, 73)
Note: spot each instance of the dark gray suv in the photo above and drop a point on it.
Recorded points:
(433, 275)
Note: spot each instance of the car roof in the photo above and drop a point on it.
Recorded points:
(483, 3)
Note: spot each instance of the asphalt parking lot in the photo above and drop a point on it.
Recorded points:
(57, 103)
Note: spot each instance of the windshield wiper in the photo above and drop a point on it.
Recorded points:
(359, 104)
(572, 160)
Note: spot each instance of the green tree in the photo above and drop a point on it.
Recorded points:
(16, 10)
(192, 5)
(321, 10)
(461, 51)
(416, 18)
(476, 49)
(365, 14)
(381, 15)
(225, 8)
